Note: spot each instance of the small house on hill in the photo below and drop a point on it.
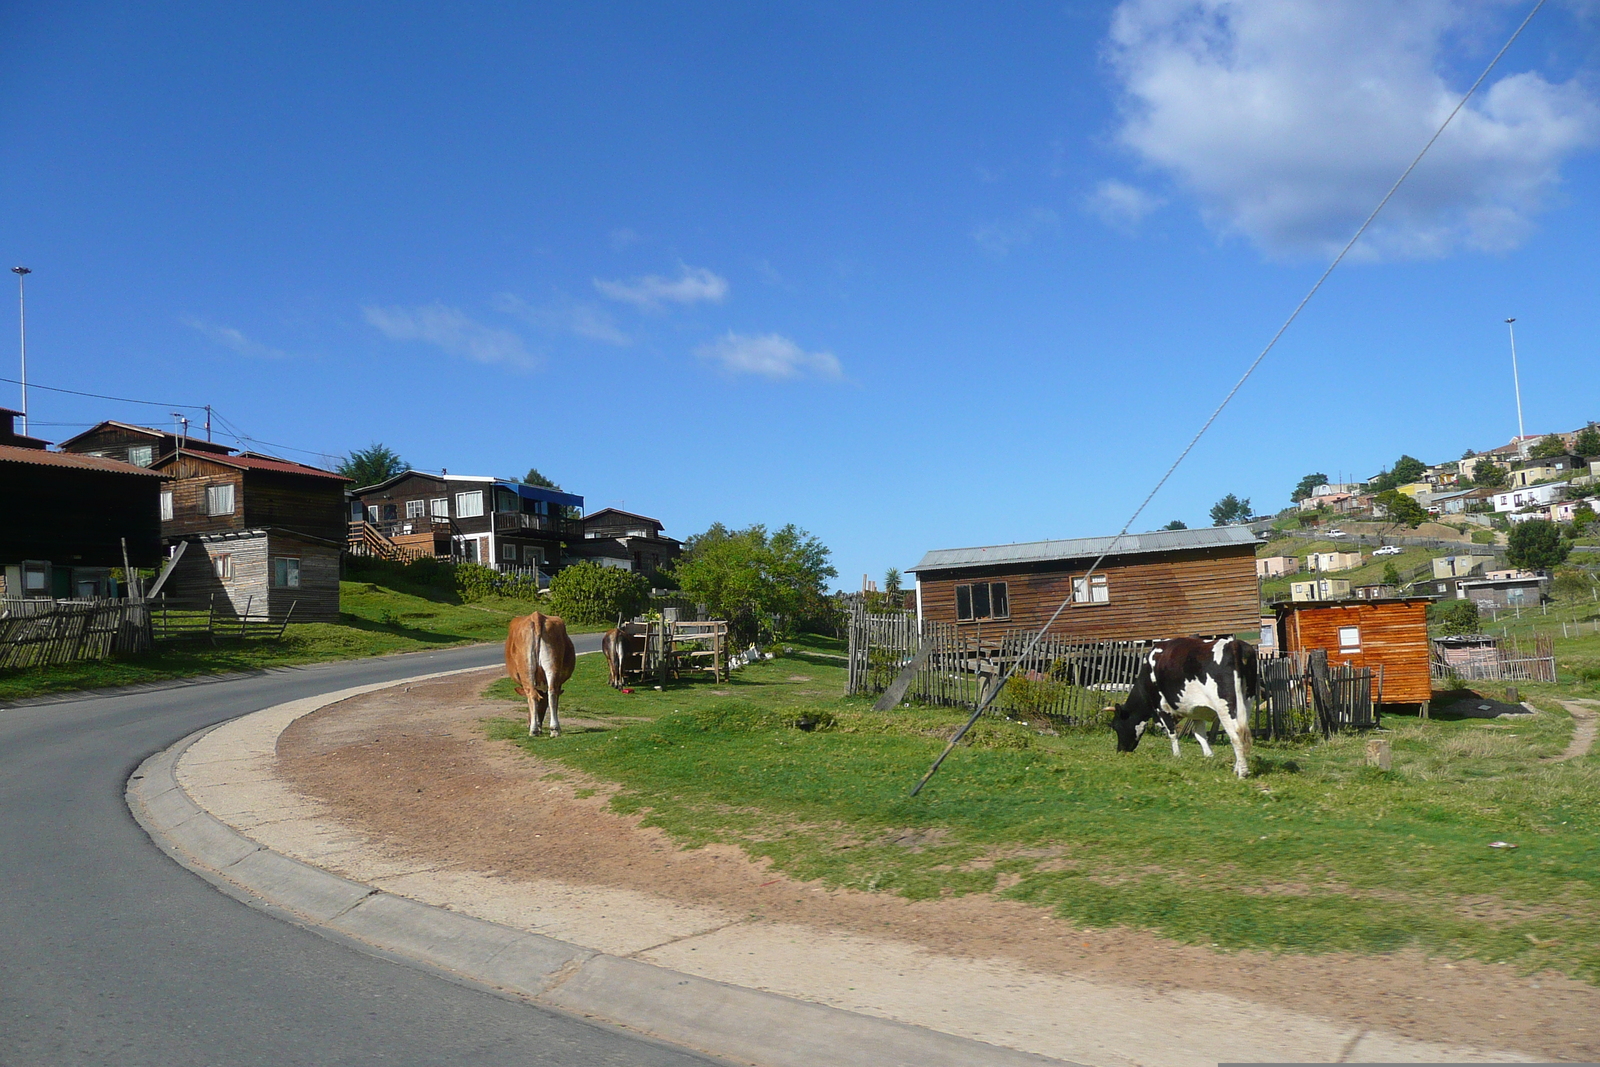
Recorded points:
(1319, 589)
(1391, 634)
(138, 445)
(622, 539)
(1277, 566)
(1325, 562)
(1171, 583)
(68, 516)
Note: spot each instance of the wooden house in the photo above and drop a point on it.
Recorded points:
(500, 523)
(261, 532)
(68, 516)
(1172, 583)
(1390, 633)
(138, 445)
(623, 539)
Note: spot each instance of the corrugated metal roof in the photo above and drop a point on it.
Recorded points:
(262, 463)
(38, 457)
(1086, 548)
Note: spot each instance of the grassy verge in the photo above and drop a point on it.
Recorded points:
(1316, 853)
(375, 620)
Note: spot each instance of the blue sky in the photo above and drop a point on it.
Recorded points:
(911, 276)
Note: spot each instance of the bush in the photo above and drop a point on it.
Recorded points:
(1452, 617)
(1483, 537)
(474, 581)
(591, 595)
(1537, 545)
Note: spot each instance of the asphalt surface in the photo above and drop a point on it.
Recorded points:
(111, 953)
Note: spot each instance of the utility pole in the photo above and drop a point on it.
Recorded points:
(208, 422)
(1522, 446)
(22, 325)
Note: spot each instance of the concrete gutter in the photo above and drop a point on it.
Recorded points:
(213, 803)
(739, 1024)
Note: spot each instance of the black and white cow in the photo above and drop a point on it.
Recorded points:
(1185, 682)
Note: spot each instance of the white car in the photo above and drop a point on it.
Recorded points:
(1336, 533)
(1387, 550)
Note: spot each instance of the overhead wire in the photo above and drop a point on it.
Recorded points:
(994, 690)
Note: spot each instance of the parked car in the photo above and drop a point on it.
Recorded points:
(1336, 533)
(1387, 550)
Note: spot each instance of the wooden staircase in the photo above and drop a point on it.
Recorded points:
(366, 540)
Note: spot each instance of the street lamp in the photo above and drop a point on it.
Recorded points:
(1522, 446)
(22, 324)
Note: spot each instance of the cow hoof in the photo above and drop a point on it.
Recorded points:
(555, 733)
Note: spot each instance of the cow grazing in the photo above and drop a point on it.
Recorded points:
(540, 656)
(612, 647)
(1185, 682)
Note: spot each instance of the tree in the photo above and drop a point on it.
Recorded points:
(1391, 574)
(757, 580)
(1587, 443)
(1308, 483)
(1401, 508)
(1176, 524)
(1454, 617)
(1583, 516)
(1549, 445)
(1537, 545)
(1230, 509)
(533, 477)
(371, 465)
(1488, 475)
(592, 595)
(891, 583)
(1406, 469)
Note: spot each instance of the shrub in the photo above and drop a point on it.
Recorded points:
(1537, 544)
(591, 595)
(1483, 537)
(474, 581)
(1452, 617)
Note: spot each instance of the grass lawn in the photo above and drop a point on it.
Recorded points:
(1317, 852)
(375, 619)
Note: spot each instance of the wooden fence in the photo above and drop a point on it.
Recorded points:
(216, 617)
(658, 650)
(1062, 682)
(45, 633)
(1487, 658)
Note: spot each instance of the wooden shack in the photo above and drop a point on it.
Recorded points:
(261, 572)
(1389, 633)
(1171, 583)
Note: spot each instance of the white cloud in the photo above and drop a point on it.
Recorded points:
(1289, 120)
(566, 316)
(1120, 205)
(233, 339)
(769, 356)
(692, 285)
(999, 238)
(451, 331)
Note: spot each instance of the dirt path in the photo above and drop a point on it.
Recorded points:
(1587, 724)
(410, 768)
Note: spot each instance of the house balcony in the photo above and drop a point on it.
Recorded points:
(550, 525)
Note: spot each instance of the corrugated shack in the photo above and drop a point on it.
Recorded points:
(1391, 633)
(1171, 583)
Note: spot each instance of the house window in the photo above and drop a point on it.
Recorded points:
(219, 499)
(533, 555)
(222, 565)
(509, 553)
(1349, 639)
(372, 513)
(439, 507)
(286, 572)
(414, 509)
(982, 600)
(469, 505)
(166, 507)
(1092, 589)
(36, 579)
(391, 513)
(505, 500)
(141, 455)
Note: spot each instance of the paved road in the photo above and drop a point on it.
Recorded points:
(111, 953)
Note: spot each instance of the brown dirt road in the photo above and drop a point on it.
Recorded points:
(411, 768)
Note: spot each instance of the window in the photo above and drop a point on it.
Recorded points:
(36, 579)
(222, 565)
(219, 499)
(1349, 639)
(356, 511)
(509, 553)
(1091, 590)
(166, 507)
(982, 600)
(414, 509)
(439, 507)
(141, 455)
(372, 513)
(391, 513)
(506, 500)
(533, 555)
(469, 505)
(286, 572)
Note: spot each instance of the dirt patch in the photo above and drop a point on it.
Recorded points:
(1587, 723)
(411, 768)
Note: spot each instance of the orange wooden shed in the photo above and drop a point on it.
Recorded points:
(1391, 633)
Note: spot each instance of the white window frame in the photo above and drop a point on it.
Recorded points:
(1349, 639)
(469, 505)
(222, 566)
(372, 513)
(216, 495)
(141, 455)
(166, 505)
(439, 507)
(414, 508)
(290, 572)
(1091, 589)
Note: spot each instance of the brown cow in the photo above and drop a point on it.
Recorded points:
(612, 647)
(540, 656)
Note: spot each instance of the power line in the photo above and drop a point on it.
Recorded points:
(994, 690)
(102, 396)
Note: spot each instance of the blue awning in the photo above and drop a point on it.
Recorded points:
(550, 496)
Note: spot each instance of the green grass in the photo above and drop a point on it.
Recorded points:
(375, 619)
(1315, 853)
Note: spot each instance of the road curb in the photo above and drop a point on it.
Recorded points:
(733, 1022)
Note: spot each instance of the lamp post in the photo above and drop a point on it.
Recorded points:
(22, 325)
(1522, 445)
